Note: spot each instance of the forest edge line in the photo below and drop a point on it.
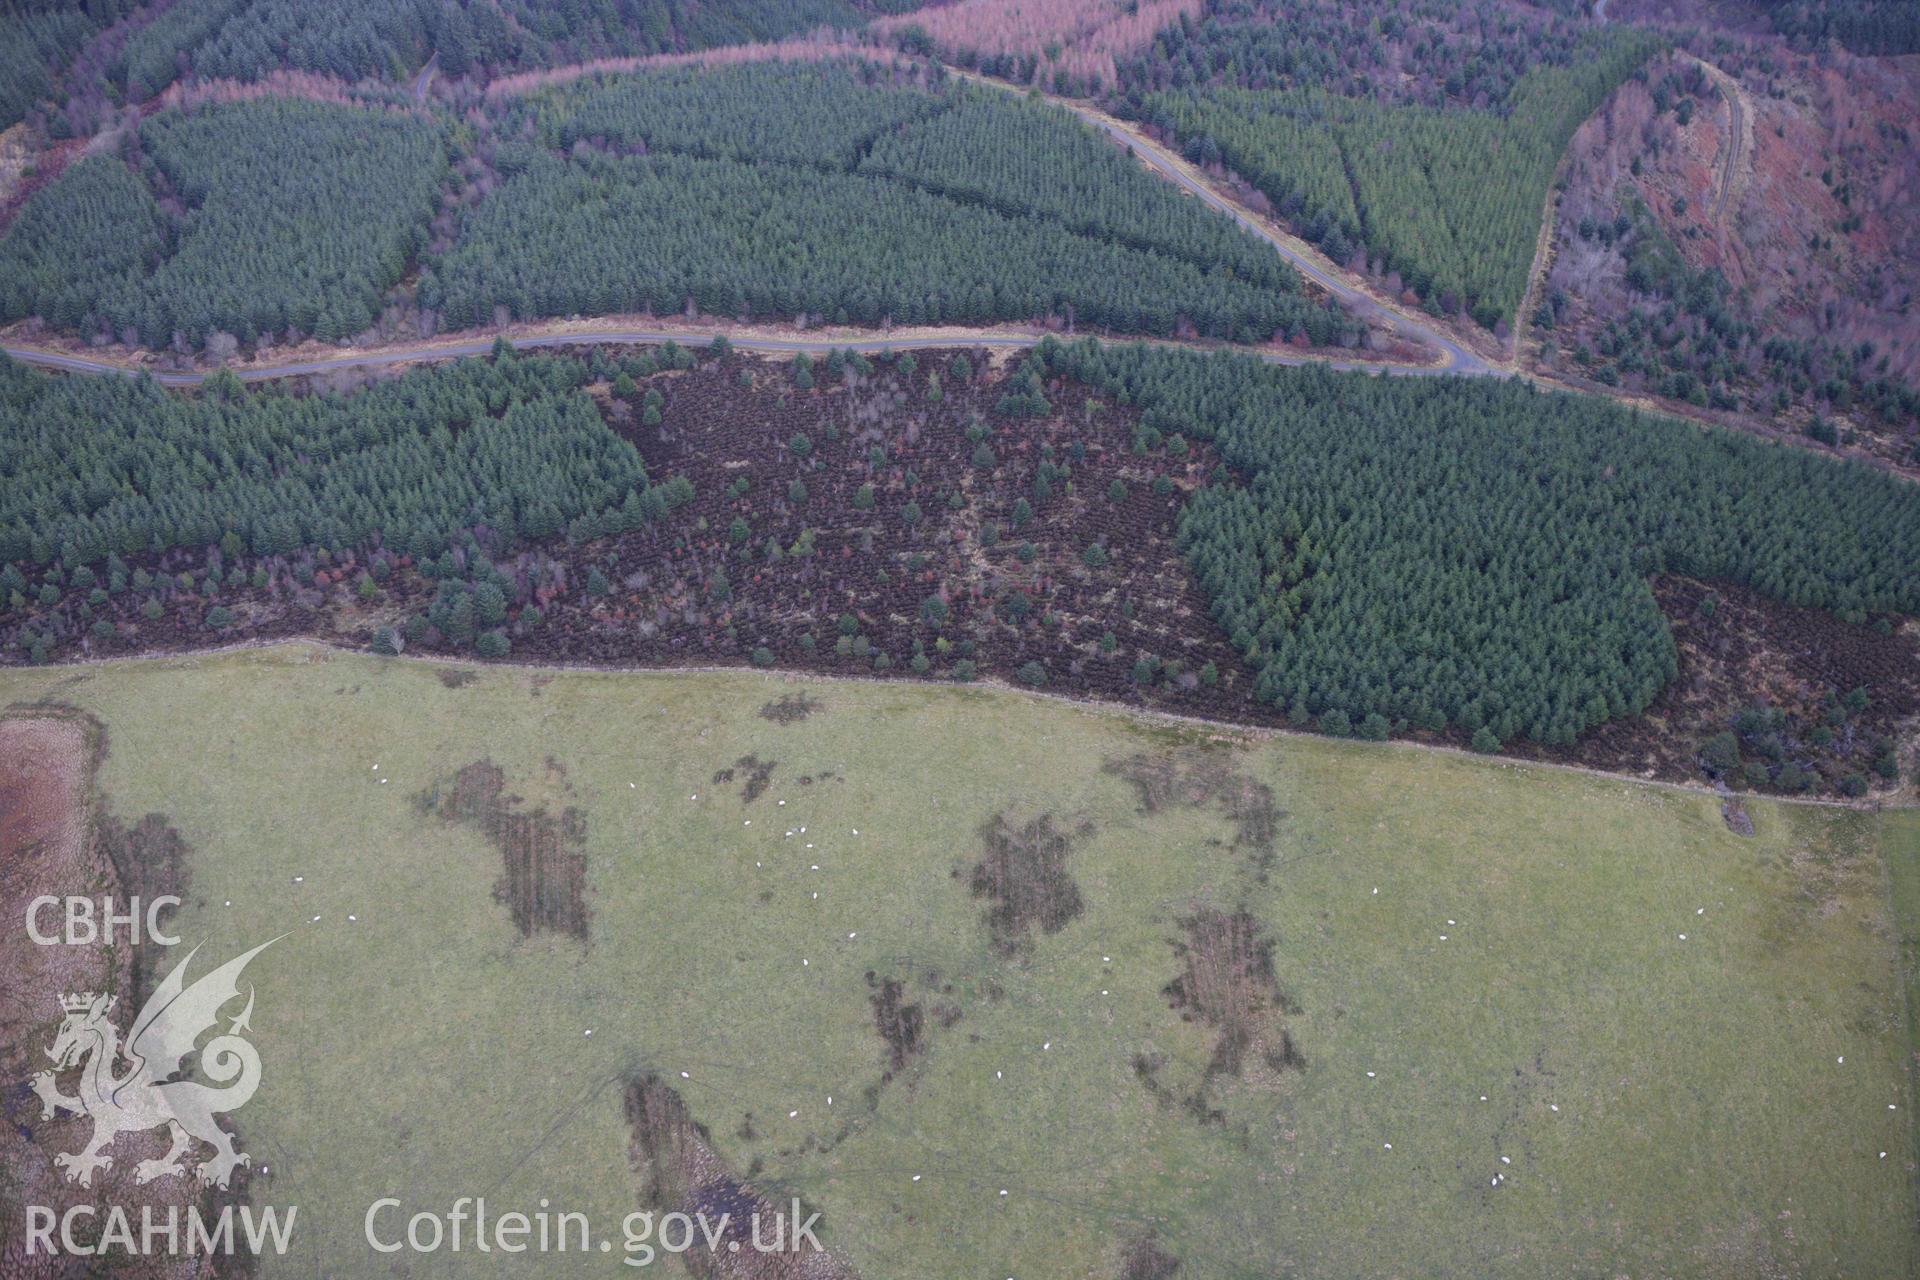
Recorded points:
(1097, 706)
(747, 338)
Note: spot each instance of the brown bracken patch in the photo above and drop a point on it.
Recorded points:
(150, 857)
(682, 1173)
(544, 877)
(1146, 1260)
(1023, 876)
(753, 773)
(789, 708)
(1734, 810)
(1195, 779)
(1227, 982)
(900, 1023)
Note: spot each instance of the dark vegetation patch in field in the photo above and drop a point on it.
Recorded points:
(1197, 778)
(1514, 1099)
(1832, 861)
(1023, 876)
(789, 709)
(901, 1023)
(666, 1139)
(150, 856)
(905, 1024)
(544, 859)
(1149, 1068)
(1734, 811)
(1227, 982)
(150, 859)
(682, 1173)
(1146, 1260)
(753, 773)
(456, 677)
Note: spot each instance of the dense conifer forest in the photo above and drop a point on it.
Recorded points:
(275, 214)
(389, 39)
(1447, 198)
(301, 213)
(1469, 54)
(601, 235)
(1873, 27)
(34, 41)
(844, 192)
(83, 246)
(1419, 138)
(820, 114)
(836, 192)
(100, 468)
(1023, 158)
(1477, 553)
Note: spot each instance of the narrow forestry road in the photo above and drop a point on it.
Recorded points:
(743, 341)
(1454, 358)
(1735, 152)
(424, 81)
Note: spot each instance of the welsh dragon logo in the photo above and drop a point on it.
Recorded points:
(147, 1095)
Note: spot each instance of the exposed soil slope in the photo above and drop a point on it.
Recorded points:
(1789, 178)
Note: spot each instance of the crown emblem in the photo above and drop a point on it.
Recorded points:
(80, 1002)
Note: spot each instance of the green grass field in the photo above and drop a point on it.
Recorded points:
(1669, 1107)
